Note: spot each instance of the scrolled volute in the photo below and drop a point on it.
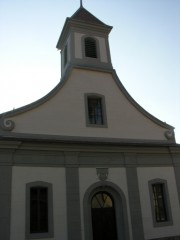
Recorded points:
(169, 135)
(7, 124)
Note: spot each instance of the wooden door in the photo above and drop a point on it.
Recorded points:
(103, 217)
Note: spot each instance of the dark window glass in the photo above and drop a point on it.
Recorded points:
(95, 111)
(103, 217)
(159, 202)
(38, 210)
(90, 48)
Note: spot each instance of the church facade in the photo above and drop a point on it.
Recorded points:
(86, 162)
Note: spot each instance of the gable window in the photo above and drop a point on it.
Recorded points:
(39, 210)
(160, 202)
(95, 110)
(90, 47)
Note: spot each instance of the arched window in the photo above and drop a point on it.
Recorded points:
(103, 217)
(90, 47)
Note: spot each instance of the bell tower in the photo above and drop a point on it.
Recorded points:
(84, 42)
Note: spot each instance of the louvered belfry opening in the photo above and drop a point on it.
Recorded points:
(90, 47)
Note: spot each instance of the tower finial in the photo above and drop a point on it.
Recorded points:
(81, 4)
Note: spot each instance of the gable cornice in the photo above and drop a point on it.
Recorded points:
(93, 141)
(138, 107)
(6, 124)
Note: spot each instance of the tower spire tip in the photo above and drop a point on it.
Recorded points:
(81, 4)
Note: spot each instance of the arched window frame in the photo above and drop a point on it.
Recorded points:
(168, 221)
(119, 204)
(88, 58)
(49, 233)
(101, 98)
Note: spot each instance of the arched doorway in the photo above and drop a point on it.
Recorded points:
(111, 195)
(103, 217)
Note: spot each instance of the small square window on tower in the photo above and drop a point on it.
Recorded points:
(95, 110)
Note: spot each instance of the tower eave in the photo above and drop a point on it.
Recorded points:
(71, 23)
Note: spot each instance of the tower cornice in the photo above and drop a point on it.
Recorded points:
(75, 23)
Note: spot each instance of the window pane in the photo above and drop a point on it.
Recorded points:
(159, 202)
(38, 210)
(103, 217)
(102, 200)
(95, 110)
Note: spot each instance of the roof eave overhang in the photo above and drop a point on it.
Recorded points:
(70, 24)
(53, 139)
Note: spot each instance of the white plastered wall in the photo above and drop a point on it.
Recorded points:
(23, 175)
(102, 48)
(63, 68)
(64, 114)
(167, 173)
(88, 176)
(78, 47)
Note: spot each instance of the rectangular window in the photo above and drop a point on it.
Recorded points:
(38, 210)
(95, 111)
(90, 47)
(159, 202)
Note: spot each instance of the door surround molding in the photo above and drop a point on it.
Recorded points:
(120, 209)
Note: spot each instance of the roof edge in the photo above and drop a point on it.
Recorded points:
(6, 124)
(84, 140)
(141, 109)
(53, 92)
(74, 23)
